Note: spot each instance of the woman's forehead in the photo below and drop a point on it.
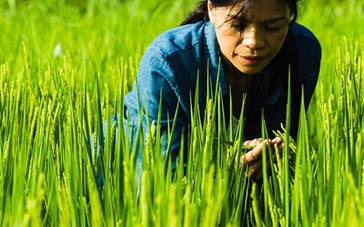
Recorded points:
(268, 8)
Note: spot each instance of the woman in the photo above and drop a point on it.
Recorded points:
(255, 42)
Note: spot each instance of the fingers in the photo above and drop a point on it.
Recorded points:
(252, 143)
(252, 161)
(256, 153)
(277, 140)
(258, 141)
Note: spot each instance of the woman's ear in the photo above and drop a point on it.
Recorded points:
(211, 12)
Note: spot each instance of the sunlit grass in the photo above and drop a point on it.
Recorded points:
(53, 105)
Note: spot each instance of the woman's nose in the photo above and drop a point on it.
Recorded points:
(252, 38)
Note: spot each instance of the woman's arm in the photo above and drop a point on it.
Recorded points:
(153, 98)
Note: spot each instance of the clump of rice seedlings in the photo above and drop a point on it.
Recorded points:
(52, 110)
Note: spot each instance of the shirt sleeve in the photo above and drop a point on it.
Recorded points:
(154, 100)
(306, 59)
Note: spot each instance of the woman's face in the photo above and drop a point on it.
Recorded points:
(249, 45)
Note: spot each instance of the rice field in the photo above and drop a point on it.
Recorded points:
(65, 67)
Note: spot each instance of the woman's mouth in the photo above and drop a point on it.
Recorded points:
(251, 60)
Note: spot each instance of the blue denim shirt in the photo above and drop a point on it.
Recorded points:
(178, 58)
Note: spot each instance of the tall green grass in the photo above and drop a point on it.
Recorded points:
(53, 103)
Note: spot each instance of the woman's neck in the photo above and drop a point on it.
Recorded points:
(236, 79)
(240, 85)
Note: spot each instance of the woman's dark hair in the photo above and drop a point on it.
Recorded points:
(201, 11)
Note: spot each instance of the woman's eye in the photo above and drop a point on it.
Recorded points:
(236, 26)
(270, 28)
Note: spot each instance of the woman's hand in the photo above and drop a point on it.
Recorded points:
(252, 160)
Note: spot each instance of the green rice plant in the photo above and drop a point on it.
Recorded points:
(65, 70)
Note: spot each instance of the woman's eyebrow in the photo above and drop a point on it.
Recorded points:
(267, 21)
(275, 19)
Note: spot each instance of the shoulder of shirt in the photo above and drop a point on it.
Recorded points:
(303, 34)
(180, 38)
